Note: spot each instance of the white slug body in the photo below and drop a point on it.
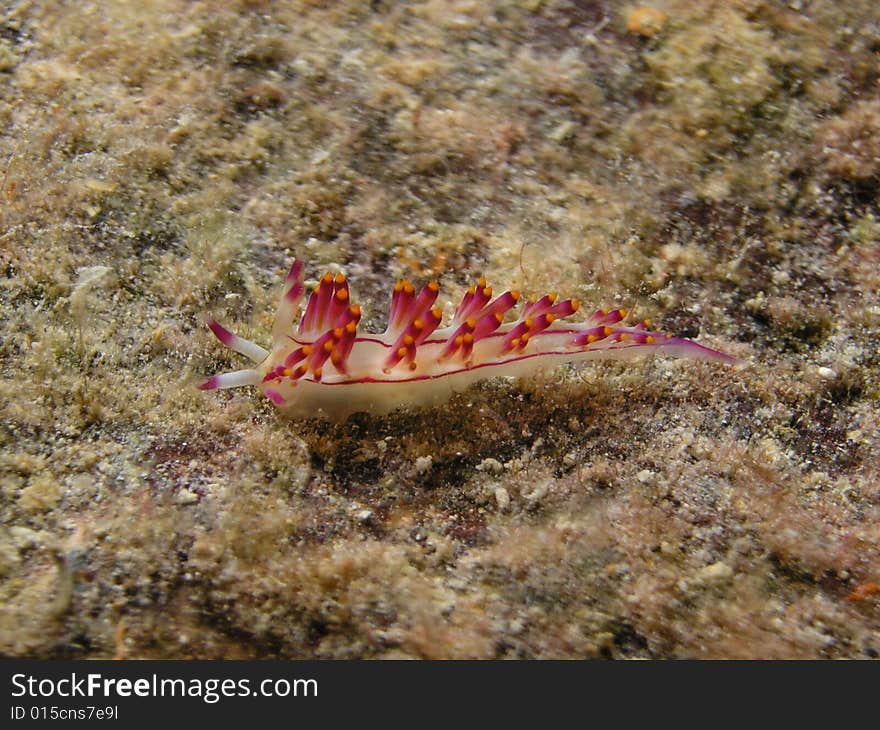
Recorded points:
(324, 367)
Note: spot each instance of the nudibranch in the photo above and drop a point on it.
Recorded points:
(326, 367)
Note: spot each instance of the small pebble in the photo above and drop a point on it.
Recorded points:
(490, 466)
(715, 573)
(364, 516)
(645, 476)
(827, 373)
(186, 496)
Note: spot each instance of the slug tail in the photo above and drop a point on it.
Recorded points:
(677, 347)
(600, 335)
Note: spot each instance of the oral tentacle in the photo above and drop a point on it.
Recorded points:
(249, 349)
(230, 380)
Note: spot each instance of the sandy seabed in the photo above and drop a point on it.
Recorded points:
(714, 166)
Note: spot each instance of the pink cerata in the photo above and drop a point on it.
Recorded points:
(326, 367)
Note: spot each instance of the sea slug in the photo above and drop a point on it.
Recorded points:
(326, 367)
